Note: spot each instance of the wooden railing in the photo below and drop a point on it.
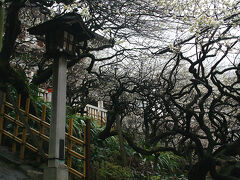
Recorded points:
(99, 114)
(31, 132)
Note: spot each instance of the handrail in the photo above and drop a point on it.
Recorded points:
(21, 136)
(99, 114)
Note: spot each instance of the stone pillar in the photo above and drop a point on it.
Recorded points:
(56, 169)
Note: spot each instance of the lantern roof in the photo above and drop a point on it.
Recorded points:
(70, 22)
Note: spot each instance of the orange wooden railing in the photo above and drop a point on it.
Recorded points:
(21, 131)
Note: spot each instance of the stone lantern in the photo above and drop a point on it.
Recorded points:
(62, 37)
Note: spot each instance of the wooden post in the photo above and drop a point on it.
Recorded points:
(94, 114)
(98, 116)
(121, 140)
(2, 103)
(88, 154)
(24, 133)
(84, 152)
(70, 143)
(43, 119)
(15, 132)
(101, 118)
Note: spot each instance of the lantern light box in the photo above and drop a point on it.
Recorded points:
(63, 34)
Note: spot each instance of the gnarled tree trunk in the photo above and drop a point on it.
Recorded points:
(199, 170)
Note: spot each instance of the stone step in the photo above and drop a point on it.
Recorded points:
(6, 155)
(13, 168)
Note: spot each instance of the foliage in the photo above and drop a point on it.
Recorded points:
(155, 178)
(106, 160)
(110, 171)
(107, 150)
(38, 102)
(170, 164)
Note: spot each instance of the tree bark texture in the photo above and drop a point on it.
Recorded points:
(121, 141)
(199, 170)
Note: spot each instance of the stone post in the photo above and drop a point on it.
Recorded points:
(56, 169)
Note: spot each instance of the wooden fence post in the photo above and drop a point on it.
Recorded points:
(15, 132)
(2, 105)
(101, 119)
(84, 152)
(24, 133)
(88, 153)
(70, 143)
(43, 119)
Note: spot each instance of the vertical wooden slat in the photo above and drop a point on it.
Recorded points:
(15, 132)
(43, 119)
(84, 152)
(101, 118)
(98, 116)
(70, 143)
(24, 133)
(3, 100)
(104, 118)
(87, 111)
(87, 151)
(92, 112)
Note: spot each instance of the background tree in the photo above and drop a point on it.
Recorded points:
(189, 105)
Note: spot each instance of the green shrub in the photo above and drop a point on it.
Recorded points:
(155, 178)
(110, 171)
(170, 164)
